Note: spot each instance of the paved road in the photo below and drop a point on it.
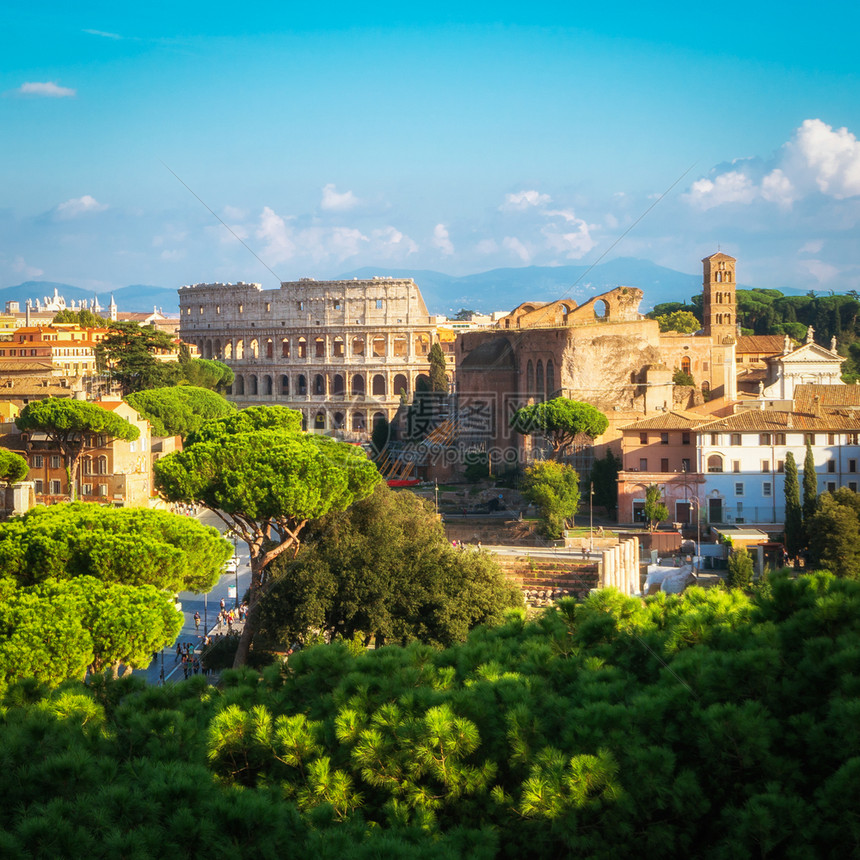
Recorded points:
(206, 605)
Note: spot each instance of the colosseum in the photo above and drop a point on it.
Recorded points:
(340, 352)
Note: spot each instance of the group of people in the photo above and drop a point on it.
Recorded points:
(184, 509)
(228, 617)
(191, 664)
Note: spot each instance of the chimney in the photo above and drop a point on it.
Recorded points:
(816, 406)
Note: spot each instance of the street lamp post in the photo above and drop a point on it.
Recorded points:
(591, 518)
(236, 565)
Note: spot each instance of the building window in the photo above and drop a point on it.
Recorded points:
(685, 438)
(715, 463)
(780, 465)
(739, 488)
(735, 439)
(764, 438)
(779, 439)
(643, 465)
(766, 488)
(765, 465)
(852, 485)
(852, 465)
(643, 438)
(831, 487)
(664, 464)
(379, 304)
(88, 489)
(736, 465)
(854, 438)
(38, 461)
(268, 307)
(715, 439)
(55, 489)
(685, 464)
(664, 438)
(217, 309)
(808, 438)
(40, 486)
(200, 311)
(831, 465)
(55, 461)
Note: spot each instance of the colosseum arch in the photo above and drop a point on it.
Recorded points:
(421, 344)
(338, 421)
(337, 387)
(401, 384)
(228, 350)
(285, 384)
(400, 346)
(268, 388)
(303, 347)
(207, 348)
(359, 424)
(378, 384)
(539, 381)
(358, 346)
(358, 385)
(270, 348)
(239, 385)
(254, 348)
(319, 384)
(302, 385)
(319, 347)
(319, 420)
(254, 385)
(285, 347)
(216, 349)
(337, 347)
(377, 346)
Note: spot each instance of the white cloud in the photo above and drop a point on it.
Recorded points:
(821, 271)
(512, 244)
(832, 156)
(731, 187)
(487, 246)
(46, 89)
(442, 240)
(334, 202)
(103, 34)
(233, 213)
(390, 242)
(777, 188)
(20, 265)
(524, 200)
(78, 206)
(813, 247)
(277, 235)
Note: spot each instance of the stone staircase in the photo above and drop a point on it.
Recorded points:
(542, 581)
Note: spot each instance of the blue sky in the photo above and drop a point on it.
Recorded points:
(332, 136)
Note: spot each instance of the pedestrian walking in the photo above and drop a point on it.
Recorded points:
(197, 622)
(223, 604)
(178, 652)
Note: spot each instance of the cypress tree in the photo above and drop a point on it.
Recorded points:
(793, 514)
(438, 379)
(810, 485)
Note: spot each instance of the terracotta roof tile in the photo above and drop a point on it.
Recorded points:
(769, 343)
(673, 420)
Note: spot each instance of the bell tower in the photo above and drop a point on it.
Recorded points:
(719, 302)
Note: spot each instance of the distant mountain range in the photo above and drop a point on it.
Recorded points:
(495, 290)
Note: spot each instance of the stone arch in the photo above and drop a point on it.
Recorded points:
(401, 384)
(337, 347)
(319, 346)
(378, 384)
(268, 387)
(338, 421)
(270, 348)
(254, 385)
(319, 420)
(240, 349)
(550, 378)
(686, 364)
(319, 384)
(285, 384)
(303, 347)
(359, 424)
(400, 346)
(207, 348)
(422, 382)
(216, 349)
(601, 309)
(240, 385)
(530, 378)
(228, 350)
(337, 386)
(539, 380)
(421, 344)
(377, 346)
(285, 347)
(379, 418)
(255, 348)
(358, 385)
(302, 385)
(358, 345)
(706, 387)
(715, 463)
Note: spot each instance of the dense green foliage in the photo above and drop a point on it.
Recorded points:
(810, 484)
(740, 568)
(681, 377)
(68, 424)
(84, 318)
(554, 489)
(265, 480)
(561, 421)
(128, 352)
(678, 320)
(13, 467)
(714, 725)
(87, 587)
(205, 373)
(834, 533)
(793, 511)
(384, 569)
(655, 509)
(438, 377)
(179, 410)
(604, 480)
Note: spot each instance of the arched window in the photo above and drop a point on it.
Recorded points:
(358, 385)
(378, 385)
(87, 466)
(240, 350)
(228, 350)
(358, 346)
(254, 386)
(338, 347)
(530, 378)
(338, 420)
(302, 385)
(240, 385)
(401, 384)
(102, 466)
(255, 348)
(319, 421)
(337, 385)
(377, 346)
(285, 347)
(319, 347)
(550, 379)
(400, 345)
(539, 379)
(270, 349)
(358, 422)
(285, 384)
(268, 388)
(303, 347)
(319, 384)
(715, 463)
(685, 364)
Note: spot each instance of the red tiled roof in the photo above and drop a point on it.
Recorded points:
(760, 343)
